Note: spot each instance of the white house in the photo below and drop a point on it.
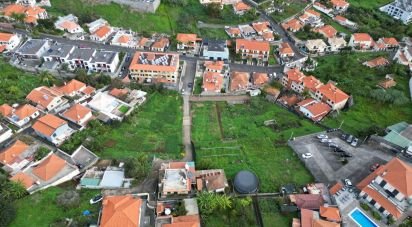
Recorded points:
(45, 98)
(102, 33)
(10, 41)
(404, 56)
(400, 10)
(52, 128)
(5, 133)
(78, 114)
(69, 24)
(16, 156)
(313, 109)
(215, 50)
(361, 40)
(124, 39)
(316, 46)
(336, 43)
(332, 95)
(26, 2)
(95, 25)
(21, 115)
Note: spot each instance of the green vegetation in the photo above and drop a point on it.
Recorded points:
(42, 209)
(198, 86)
(213, 33)
(294, 7)
(124, 109)
(306, 33)
(41, 153)
(270, 210)
(235, 138)
(154, 128)
(171, 17)
(360, 81)
(370, 20)
(15, 84)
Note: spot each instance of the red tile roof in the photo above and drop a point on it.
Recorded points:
(327, 31)
(43, 96)
(212, 81)
(186, 38)
(399, 175)
(260, 78)
(295, 75)
(71, 86)
(76, 112)
(311, 83)
(239, 81)
(293, 24)
(25, 179)
(323, 223)
(6, 110)
(12, 153)
(335, 188)
(377, 62)
(121, 211)
(48, 124)
(330, 213)
(390, 41)
(49, 167)
(286, 49)
(184, 221)
(25, 111)
(307, 201)
(117, 92)
(306, 217)
(362, 37)
(241, 6)
(312, 12)
(252, 45)
(214, 65)
(261, 26)
(103, 31)
(384, 202)
(333, 93)
(339, 3)
(5, 37)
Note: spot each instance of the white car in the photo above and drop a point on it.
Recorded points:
(322, 136)
(348, 183)
(326, 140)
(307, 155)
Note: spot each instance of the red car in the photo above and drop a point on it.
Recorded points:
(374, 167)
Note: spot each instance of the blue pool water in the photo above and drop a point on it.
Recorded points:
(361, 219)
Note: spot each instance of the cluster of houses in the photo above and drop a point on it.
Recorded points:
(323, 97)
(239, 7)
(260, 30)
(31, 9)
(384, 191)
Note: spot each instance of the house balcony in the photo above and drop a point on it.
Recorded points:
(401, 205)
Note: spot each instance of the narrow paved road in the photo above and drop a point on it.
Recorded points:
(231, 98)
(187, 127)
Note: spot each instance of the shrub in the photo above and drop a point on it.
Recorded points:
(41, 153)
(137, 167)
(365, 206)
(7, 214)
(68, 199)
(376, 215)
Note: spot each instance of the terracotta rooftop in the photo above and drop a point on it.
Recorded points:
(71, 86)
(260, 78)
(328, 31)
(117, 92)
(362, 37)
(121, 211)
(335, 188)
(330, 213)
(307, 201)
(214, 65)
(12, 153)
(241, 6)
(293, 24)
(76, 112)
(323, 223)
(43, 96)
(49, 167)
(239, 81)
(212, 81)
(390, 41)
(184, 221)
(48, 124)
(261, 26)
(399, 175)
(6, 110)
(339, 3)
(311, 83)
(384, 202)
(103, 31)
(25, 111)
(333, 93)
(25, 179)
(186, 38)
(252, 45)
(295, 75)
(285, 49)
(5, 37)
(377, 62)
(312, 13)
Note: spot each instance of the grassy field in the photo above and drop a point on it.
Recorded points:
(368, 3)
(241, 141)
(15, 84)
(294, 7)
(168, 19)
(156, 128)
(213, 33)
(41, 209)
(270, 211)
(347, 70)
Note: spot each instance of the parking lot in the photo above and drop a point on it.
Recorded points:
(327, 166)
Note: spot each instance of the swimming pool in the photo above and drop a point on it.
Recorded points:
(361, 219)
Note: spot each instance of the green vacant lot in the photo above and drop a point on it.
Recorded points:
(239, 140)
(360, 81)
(371, 4)
(15, 84)
(169, 19)
(41, 208)
(294, 7)
(155, 128)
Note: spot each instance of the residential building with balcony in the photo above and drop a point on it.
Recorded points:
(253, 50)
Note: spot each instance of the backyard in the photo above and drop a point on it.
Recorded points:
(41, 208)
(294, 7)
(169, 18)
(369, 112)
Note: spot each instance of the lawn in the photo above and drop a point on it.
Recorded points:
(358, 80)
(155, 128)
(41, 209)
(241, 141)
(169, 19)
(15, 84)
(270, 210)
(369, 3)
(213, 33)
(294, 7)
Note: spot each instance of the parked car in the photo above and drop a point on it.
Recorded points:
(307, 155)
(190, 85)
(354, 142)
(349, 139)
(322, 136)
(332, 130)
(326, 140)
(346, 155)
(333, 145)
(338, 150)
(374, 167)
(96, 199)
(343, 136)
(348, 183)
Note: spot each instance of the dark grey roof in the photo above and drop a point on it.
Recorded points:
(32, 46)
(215, 45)
(59, 50)
(104, 56)
(405, 5)
(82, 53)
(246, 182)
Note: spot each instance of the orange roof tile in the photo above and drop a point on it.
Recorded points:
(184, 221)
(286, 49)
(68, 25)
(10, 154)
(399, 175)
(261, 26)
(293, 24)
(123, 39)
(239, 81)
(384, 202)
(49, 167)
(48, 124)
(311, 83)
(212, 81)
(323, 223)
(136, 65)
(88, 90)
(214, 65)
(186, 38)
(368, 179)
(76, 112)
(6, 110)
(43, 96)
(312, 13)
(307, 201)
(25, 111)
(260, 78)
(390, 41)
(252, 45)
(339, 3)
(306, 217)
(327, 31)
(340, 18)
(333, 93)
(318, 110)
(330, 213)
(161, 43)
(268, 35)
(387, 83)
(121, 211)
(234, 31)
(289, 100)
(295, 75)
(25, 179)
(241, 6)
(5, 37)
(377, 62)
(335, 188)
(14, 8)
(116, 92)
(362, 37)
(34, 11)
(103, 31)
